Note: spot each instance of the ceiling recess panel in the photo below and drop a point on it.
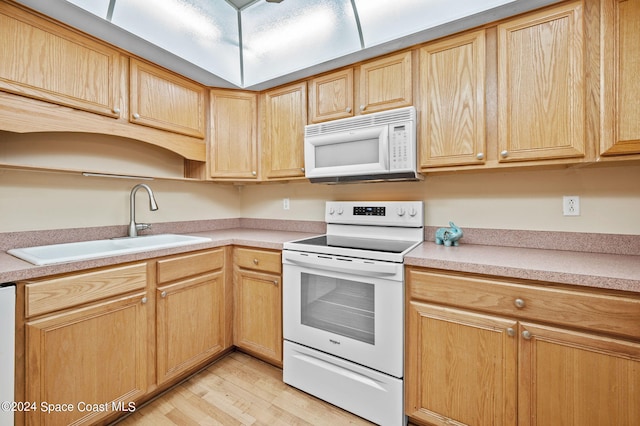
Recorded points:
(256, 44)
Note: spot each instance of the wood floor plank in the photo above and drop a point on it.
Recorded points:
(229, 400)
(239, 390)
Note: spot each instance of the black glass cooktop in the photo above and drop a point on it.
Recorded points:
(372, 244)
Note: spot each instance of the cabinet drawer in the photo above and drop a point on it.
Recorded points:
(589, 310)
(262, 260)
(188, 265)
(59, 293)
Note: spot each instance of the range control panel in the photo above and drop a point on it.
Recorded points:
(369, 211)
(378, 213)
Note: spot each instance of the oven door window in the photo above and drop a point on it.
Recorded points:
(338, 306)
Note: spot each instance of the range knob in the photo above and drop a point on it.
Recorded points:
(340, 210)
(331, 211)
(412, 212)
(400, 211)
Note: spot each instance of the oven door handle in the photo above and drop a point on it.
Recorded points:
(347, 265)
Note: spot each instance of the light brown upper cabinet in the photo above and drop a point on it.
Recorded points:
(166, 101)
(41, 60)
(331, 96)
(452, 107)
(234, 135)
(620, 46)
(285, 115)
(385, 83)
(541, 85)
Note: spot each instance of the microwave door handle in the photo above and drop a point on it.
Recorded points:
(386, 154)
(346, 266)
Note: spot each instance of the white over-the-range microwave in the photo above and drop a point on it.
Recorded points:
(370, 147)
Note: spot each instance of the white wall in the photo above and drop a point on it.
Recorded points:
(516, 199)
(37, 201)
(527, 200)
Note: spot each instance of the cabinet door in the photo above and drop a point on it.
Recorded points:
(91, 355)
(541, 105)
(386, 83)
(331, 96)
(165, 101)
(460, 367)
(191, 323)
(620, 70)
(452, 87)
(285, 112)
(44, 61)
(258, 314)
(577, 379)
(234, 138)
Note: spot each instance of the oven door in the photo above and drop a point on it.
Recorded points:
(346, 307)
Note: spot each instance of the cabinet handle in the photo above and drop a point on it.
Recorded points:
(144, 300)
(519, 303)
(302, 169)
(511, 332)
(480, 156)
(256, 261)
(348, 109)
(116, 110)
(504, 154)
(362, 107)
(163, 294)
(275, 282)
(254, 173)
(136, 115)
(526, 335)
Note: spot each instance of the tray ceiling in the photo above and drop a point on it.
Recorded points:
(257, 44)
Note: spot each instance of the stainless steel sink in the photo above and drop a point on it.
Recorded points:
(71, 252)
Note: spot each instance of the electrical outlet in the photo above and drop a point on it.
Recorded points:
(571, 205)
(285, 204)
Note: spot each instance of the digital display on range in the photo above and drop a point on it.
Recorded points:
(369, 211)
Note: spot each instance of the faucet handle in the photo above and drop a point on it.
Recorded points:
(142, 226)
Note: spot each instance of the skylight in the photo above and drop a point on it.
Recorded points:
(256, 44)
(280, 38)
(203, 32)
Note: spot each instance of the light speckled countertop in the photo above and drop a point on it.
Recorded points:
(601, 270)
(611, 271)
(14, 269)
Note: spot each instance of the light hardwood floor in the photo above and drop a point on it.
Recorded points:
(239, 390)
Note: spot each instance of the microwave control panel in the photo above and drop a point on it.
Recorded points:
(401, 145)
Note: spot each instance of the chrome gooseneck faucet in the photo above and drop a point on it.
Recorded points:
(153, 206)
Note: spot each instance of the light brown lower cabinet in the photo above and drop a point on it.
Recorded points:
(476, 357)
(574, 378)
(191, 309)
(87, 361)
(99, 342)
(258, 303)
(461, 367)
